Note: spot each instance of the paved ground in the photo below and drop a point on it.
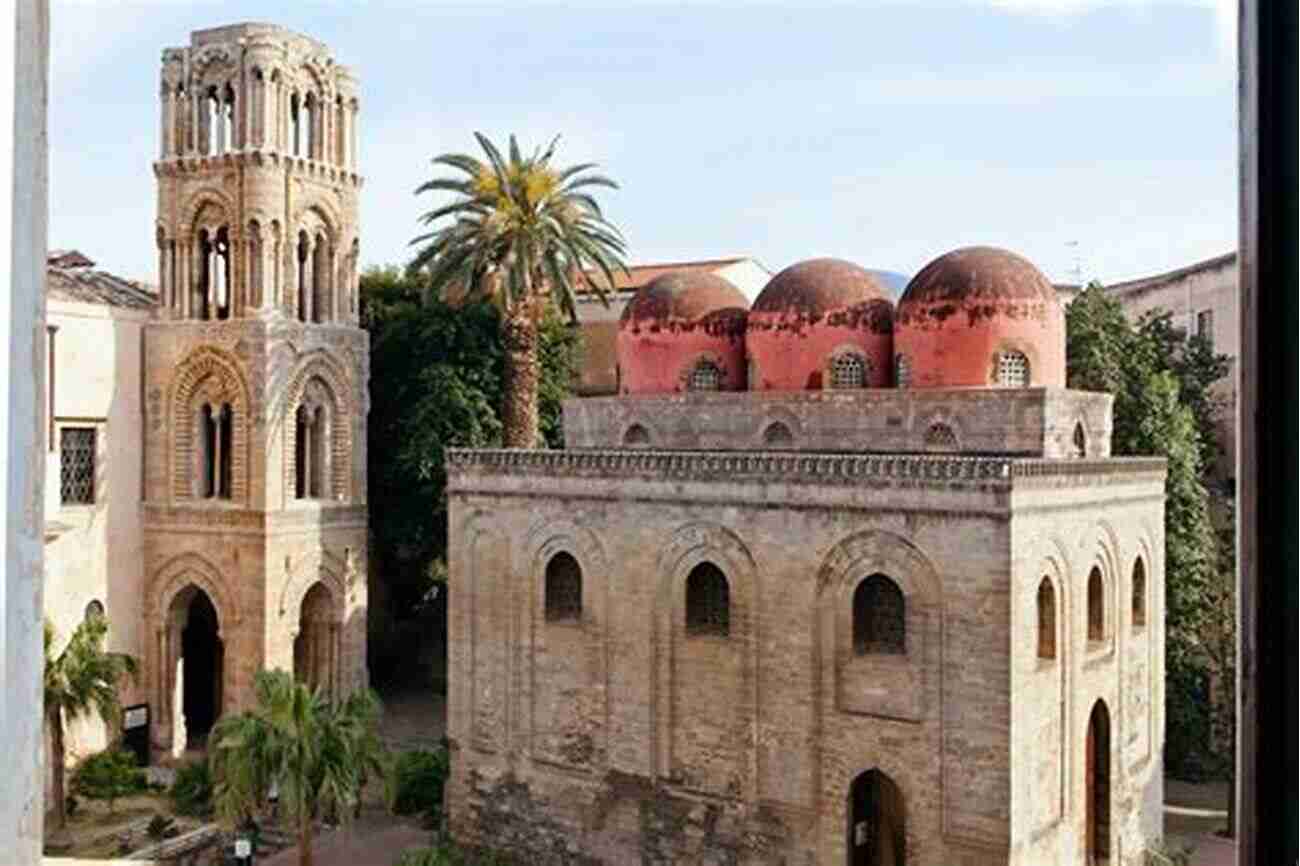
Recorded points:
(1193, 815)
(378, 839)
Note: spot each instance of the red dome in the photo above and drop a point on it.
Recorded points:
(979, 316)
(683, 331)
(820, 323)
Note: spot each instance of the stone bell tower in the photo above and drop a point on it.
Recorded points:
(256, 377)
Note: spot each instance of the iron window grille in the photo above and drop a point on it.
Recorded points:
(77, 465)
(940, 438)
(1013, 370)
(848, 371)
(902, 371)
(705, 376)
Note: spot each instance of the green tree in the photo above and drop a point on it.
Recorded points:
(315, 753)
(437, 376)
(81, 680)
(1159, 384)
(520, 234)
(107, 776)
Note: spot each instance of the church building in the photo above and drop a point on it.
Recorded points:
(829, 581)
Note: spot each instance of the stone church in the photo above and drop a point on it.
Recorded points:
(829, 581)
(207, 465)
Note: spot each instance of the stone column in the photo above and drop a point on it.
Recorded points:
(23, 237)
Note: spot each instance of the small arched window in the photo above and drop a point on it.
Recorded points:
(636, 436)
(1046, 619)
(1013, 370)
(1080, 442)
(304, 291)
(563, 588)
(216, 438)
(310, 435)
(879, 623)
(1139, 594)
(94, 610)
(777, 435)
(940, 437)
(295, 125)
(902, 371)
(848, 370)
(708, 601)
(705, 376)
(1096, 606)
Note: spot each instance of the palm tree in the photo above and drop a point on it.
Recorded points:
(294, 739)
(521, 234)
(80, 681)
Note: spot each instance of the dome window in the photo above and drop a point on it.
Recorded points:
(778, 435)
(902, 371)
(636, 436)
(705, 376)
(1013, 370)
(940, 438)
(848, 370)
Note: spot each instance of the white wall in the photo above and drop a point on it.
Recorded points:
(97, 553)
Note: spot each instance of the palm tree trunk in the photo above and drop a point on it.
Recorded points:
(304, 841)
(57, 764)
(519, 416)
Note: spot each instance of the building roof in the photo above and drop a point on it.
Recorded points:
(640, 275)
(814, 287)
(71, 276)
(1143, 284)
(977, 275)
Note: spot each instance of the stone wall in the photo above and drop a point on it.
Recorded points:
(1038, 422)
(623, 737)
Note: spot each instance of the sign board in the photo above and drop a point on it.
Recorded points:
(861, 833)
(243, 849)
(135, 732)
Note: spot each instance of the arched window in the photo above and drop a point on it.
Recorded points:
(636, 436)
(1046, 619)
(226, 136)
(340, 139)
(1096, 606)
(705, 376)
(902, 371)
(939, 437)
(879, 625)
(708, 601)
(848, 370)
(295, 125)
(1080, 442)
(563, 588)
(778, 435)
(304, 250)
(309, 452)
(212, 122)
(221, 274)
(216, 439)
(1139, 594)
(310, 112)
(94, 610)
(1013, 370)
(320, 280)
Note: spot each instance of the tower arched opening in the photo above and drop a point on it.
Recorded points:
(200, 663)
(877, 832)
(315, 649)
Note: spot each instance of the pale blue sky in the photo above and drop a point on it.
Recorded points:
(885, 134)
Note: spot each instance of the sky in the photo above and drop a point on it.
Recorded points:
(1098, 139)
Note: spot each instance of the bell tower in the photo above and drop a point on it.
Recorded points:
(256, 378)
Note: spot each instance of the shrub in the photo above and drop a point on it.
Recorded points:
(107, 776)
(191, 792)
(418, 778)
(1159, 855)
(159, 826)
(448, 854)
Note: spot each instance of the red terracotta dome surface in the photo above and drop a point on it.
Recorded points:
(970, 309)
(674, 324)
(812, 313)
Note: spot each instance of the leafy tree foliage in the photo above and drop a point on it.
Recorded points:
(1164, 405)
(520, 233)
(437, 374)
(108, 776)
(80, 681)
(315, 753)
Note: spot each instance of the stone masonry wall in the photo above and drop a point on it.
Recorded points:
(622, 738)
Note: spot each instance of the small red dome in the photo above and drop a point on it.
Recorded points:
(683, 331)
(979, 316)
(820, 323)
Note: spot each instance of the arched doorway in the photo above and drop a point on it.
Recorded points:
(201, 664)
(877, 821)
(1097, 798)
(315, 654)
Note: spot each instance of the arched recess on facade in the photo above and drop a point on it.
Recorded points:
(1141, 712)
(688, 547)
(545, 540)
(481, 570)
(212, 259)
(865, 556)
(208, 384)
(318, 419)
(1100, 548)
(174, 593)
(1047, 558)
